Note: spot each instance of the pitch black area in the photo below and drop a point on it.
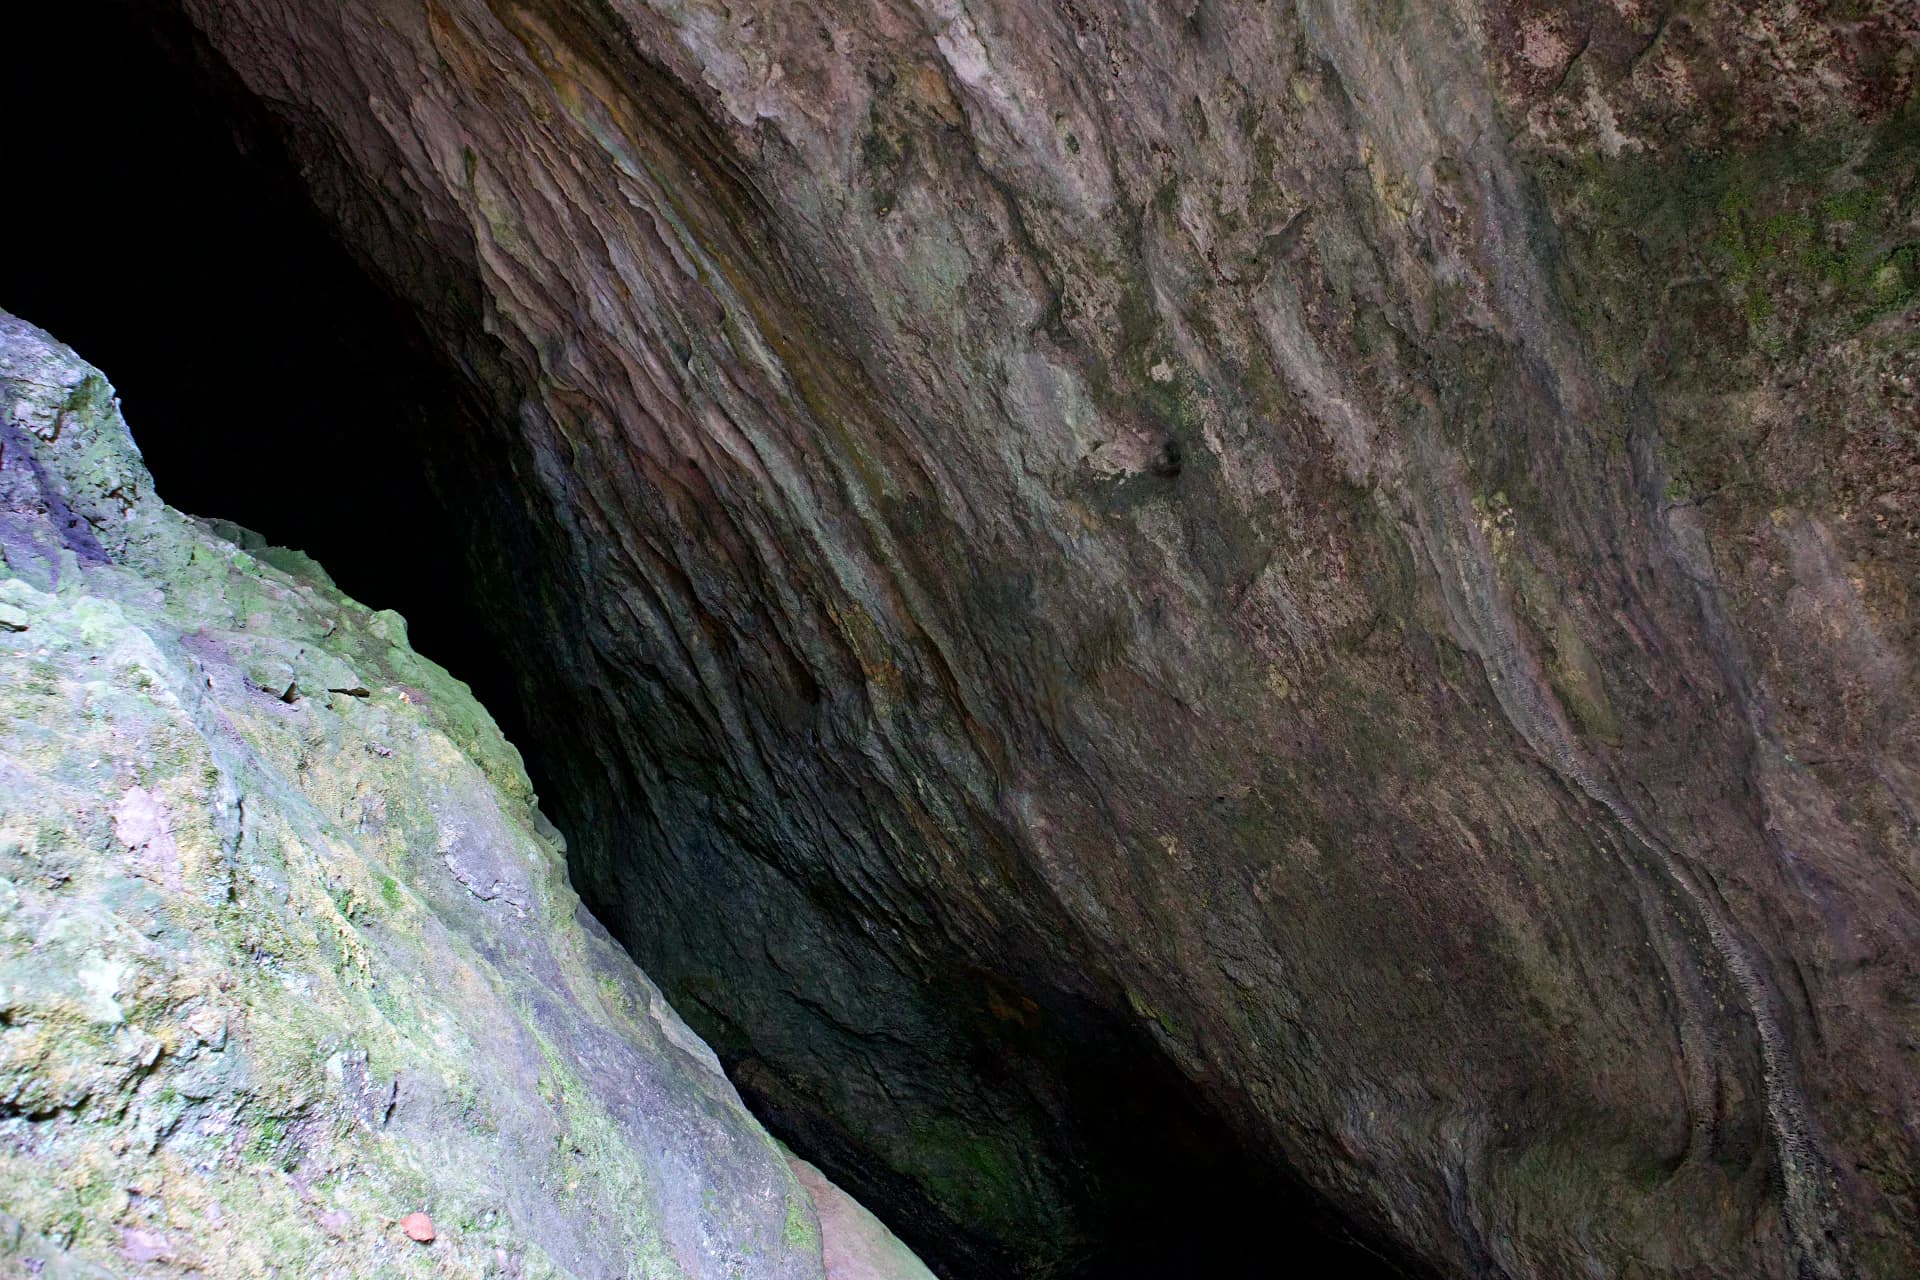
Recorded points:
(150, 218)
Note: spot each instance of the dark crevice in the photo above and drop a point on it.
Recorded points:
(150, 218)
(1179, 1193)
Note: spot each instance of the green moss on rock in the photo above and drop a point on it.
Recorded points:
(279, 965)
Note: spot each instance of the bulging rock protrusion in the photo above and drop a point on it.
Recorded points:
(248, 1006)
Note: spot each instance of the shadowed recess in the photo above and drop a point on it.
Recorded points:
(155, 225)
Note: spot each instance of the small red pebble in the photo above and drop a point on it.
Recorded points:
(419, 1228)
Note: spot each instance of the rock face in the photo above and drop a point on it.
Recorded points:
(1361, 558)
(290, 975)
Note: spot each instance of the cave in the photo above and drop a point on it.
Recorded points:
(1193, 639)
(157, 222)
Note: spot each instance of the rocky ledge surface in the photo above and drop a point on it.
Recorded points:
(291, 978)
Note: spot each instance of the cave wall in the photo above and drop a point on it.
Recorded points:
(1359, 555)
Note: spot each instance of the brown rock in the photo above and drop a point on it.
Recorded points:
(1431, 681)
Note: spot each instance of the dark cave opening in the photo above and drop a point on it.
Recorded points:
(151, 220)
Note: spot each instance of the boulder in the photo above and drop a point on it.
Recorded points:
(291, 977)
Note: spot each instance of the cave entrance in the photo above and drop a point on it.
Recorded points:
(152, 220)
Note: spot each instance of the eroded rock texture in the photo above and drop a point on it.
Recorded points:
(291, 978)
(1361, 555)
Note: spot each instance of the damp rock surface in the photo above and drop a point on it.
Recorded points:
(291, 978)
(1350, 565)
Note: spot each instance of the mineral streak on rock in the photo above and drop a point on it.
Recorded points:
(1358, 556)
(253, 1020)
